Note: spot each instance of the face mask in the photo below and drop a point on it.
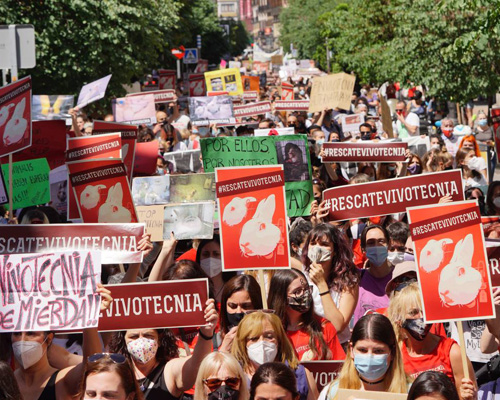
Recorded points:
(299, 250)
(396, 257)
(262, 352)
(319, 253)
(142, 350)
(391, 168)
(371, 178)
(447, 132)
(234, 319)
(300, 304)
(377, 255)
(409, 257)
(496, 202)
(417, 328)
(414, 169)
(366, 137)
(483, 122)
(335, 140)
(211, 266)
(27, 352)
(224, 393)
(436, 146)
(302, 93)
(160, 171)
(371, 367)
(320, 142)
(309, 115)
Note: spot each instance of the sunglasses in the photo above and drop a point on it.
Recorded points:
(214, 383)
(399, 110)
(116, 358)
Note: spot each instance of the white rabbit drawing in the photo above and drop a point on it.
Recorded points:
(432, 254)
(90, 196)
(259, 237)
(4, 113)
(459, 283)
(112, 211)
(236, 210)
(16, 126)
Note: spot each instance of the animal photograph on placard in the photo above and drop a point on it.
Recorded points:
(189, 221)
(46, 107)
(150, 190)
(292, 154)
(210, 108)
(185, 188)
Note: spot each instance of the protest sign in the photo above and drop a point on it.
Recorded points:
(46, 107)
(30, 182)
(58, 180)
(169, 304)
(93, 91)
(49, 291)
(491, 227)
(386, 117)
(251, 96)
(117, 243)
(135, 109)
(291, 105)
(167, 79)
(323, 372)
(331, 91)
(451, 259)
(161, 96)
(252, 217)
(277, 59)
(102, 191)
(197, 85)
(252, 109)
(4, 197)
(228, 80)
(364, 151)
(279, 131)
(250, 83)
(146, 154)
(351, 122)
(184, 162)
(289, 150)
(351, 394)
(95, 147)
(201, 67)
(287, 91)
(391, 196)
(15, 116)
(218, 93)
(151, 190)
(152, 217)
(210, 109)
(494, 265)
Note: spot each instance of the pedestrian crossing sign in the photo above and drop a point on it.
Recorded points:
(191, 56)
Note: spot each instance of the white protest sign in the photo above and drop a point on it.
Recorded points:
(93, 91)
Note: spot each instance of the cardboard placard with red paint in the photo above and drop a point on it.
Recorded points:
(161, 96)
(252, 217)
(95, 147)
(365, 151)
(452, 266)
(117, 243)
(167, 79)
(59, 291)
(102, 191)
(250, 83)
(252, 109)
(197, 85)
(146, 154)
(323, 372)
(169, 304)
(291, 105)
(392, 195)
(286, 91)
(15, 116)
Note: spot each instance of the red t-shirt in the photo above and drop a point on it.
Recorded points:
(300, 342)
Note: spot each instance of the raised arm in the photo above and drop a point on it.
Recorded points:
(164, 260)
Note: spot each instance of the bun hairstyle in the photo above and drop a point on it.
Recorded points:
(277, 374)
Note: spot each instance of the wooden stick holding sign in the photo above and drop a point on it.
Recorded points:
(463, 354)
(262, 283)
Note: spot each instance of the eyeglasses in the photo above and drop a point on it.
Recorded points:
(302, 291)
(116, 358)
(215, 383)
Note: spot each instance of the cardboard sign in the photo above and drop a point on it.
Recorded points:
(291, 105)
(210, 109)
(197, 85)
(93, 91)
(331, 91)
(185, 162)
(15, 116)
(392, 195)
(351, 394)
(250, 83)
(50, 292)
(135, 109)
(351, 122)
(386, 117)
(252, 217)
(152, 217)
(364, 151)
(167, 79)
(251, 96)
(170, 304)
(145, 158)
(58, 180)
(30, 182)
(279, 131)
(277, 59)
(117, 243)
(228, 80)
(323, 372)
(290, 150)
(287, 91)
(161, 96)
(46, 107)
(95, 147)
(451, 259)
(252, 109)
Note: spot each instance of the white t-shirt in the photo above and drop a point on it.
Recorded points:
(411, 119)
(473, 330)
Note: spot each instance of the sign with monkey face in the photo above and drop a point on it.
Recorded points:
(452, 265)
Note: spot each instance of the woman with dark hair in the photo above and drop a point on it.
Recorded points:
(313, 337)
(274, 380)
(433, 384)
(493, 199)
(9, 390)
(297, 236)
(328, 264)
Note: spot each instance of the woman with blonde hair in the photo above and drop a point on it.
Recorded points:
(220, 377)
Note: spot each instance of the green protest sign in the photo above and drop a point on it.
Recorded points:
(289, 150)
(30, 182)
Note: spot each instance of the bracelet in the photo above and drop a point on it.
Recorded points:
(205, 336)
(327, 292)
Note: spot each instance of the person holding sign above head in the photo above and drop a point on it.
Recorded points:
(274, 381)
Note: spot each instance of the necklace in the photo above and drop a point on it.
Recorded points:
(371, 383)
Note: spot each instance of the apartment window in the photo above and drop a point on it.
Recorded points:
(227, 8)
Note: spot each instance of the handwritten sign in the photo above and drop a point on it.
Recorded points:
(332, 91)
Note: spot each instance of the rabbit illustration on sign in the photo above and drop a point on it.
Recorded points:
(90, 196)
(112, 211)
(259, 237)
(16, 126)
(4, 113)
(236, 210)
(459, 283)
(432, 254)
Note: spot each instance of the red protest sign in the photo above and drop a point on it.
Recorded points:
(392, 195)
(286, 91)
(59, 291)
(494, 265)
(452, 270)
(94, 147)
(251, 96)
(169, 304)
(197, 85)
(167, 79)
(145, 158)
(252, 109)
(217, 93)
(365, 151)
(116, 242)
(201, 67)
(252, 217)
(323, 372)
(15, 116)
(291, 105)
(161, 96)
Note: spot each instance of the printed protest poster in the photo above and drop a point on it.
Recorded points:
(30, 182)
(161, 96)
(250, 96)
(453, 273)
(491, 227)
(331, 91)
(169, 304)
(351, 123)
(228, 80)
(252, 109)
(197, 85)
(184, 162)
(252, 217)
(274, 131)
(287, 91)
(494, 265)
(152, 217)
(167, 79)
(289, 150)
(323, 372)
(392, 195)
(211, 109)
(46, 107)
(95, 147)
(58, 180)
(93, 91)
(151, 190)
(250, 83)
(15, 116)
(102, 191)
(187, 188)
(117, 243)
(146, 154)
(135, 109)
(201, 67)
(189, 221)
(364, 151)
(67, 282)
(4, 197)
(291, 105)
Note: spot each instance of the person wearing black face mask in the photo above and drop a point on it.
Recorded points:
(366, 131)
(313, 338)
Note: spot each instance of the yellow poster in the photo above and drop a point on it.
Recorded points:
(225, 80)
